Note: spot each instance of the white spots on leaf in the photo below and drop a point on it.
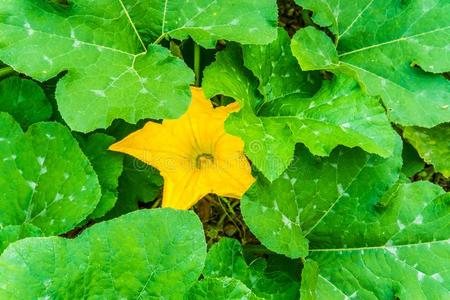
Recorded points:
(143, 79)
(345, 125)
(143, 91)
(340, 189)
(254, 29)
(99, 93)
(76, 44)
(66, 175)
(44, 298)
(353, 295)
(437, 277)
(275, 206)
(49, 136)
(12, 157)
(40, 160)
(43, 170)
(286, 221)
(420, 275)
(71, 198)
(28, 28)
(58, 197)
(293, 180)
(418, 219)
(234, 22)
(264, 209)
(32, 185)
(392, 250)
(47, 283)
(400, 225)
(444, 106)
(312, 105)
(83, 188)
(47, 59)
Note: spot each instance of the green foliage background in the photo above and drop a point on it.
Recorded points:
(345, 115)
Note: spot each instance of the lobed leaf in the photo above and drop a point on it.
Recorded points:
(226, 259)
(46, 179)
(112, 73)
(399, 250)
(108, 166)
(432, 144)
(303, 201)
(145, 254)
(393, 48)
(338, 114)
(24, 100)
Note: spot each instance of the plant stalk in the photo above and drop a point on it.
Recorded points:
(197, 64)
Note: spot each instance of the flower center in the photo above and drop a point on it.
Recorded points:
(204, 160)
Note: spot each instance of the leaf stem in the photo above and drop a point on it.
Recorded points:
(6, 71)
(197, 63)
(159, 39)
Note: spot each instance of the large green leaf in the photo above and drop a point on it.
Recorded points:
(46, 179)
(399, 250)
(338, 114)
(432, 144)
(225, 259)
(142, 255)
(391, 47)
(12, 233)
(305, 199)
(222, 288)
(206, 21)
(24, 100)
(112, 73)
(108, 165)
(277, 70)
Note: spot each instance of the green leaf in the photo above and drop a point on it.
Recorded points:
(108, 165)
(310, 280)
(305, 44)
(12, 233)
(111, 72)
(399, 250)
(432, 144)
(338, 114)
(412, 163)
(206, 21)
(225, 259)
(221, 288)
(145, 254)
(279, 77)
(139, 182)
(24, 100)
(46, 179)
(304, 200)
(392, 48)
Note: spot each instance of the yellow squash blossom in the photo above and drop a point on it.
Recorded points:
(193, 153)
